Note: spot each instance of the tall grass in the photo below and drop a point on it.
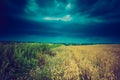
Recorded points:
(17, 59)
(37, 61)
(82, 63)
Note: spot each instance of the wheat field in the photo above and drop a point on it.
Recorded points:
(85, 62)
(35, 61)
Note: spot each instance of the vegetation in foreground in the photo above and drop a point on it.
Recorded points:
(17, 59)
(34, 61)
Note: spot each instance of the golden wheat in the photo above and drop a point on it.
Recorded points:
(96, 62)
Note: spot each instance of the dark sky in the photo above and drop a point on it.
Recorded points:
(60, 21)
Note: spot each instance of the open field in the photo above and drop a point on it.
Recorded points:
(89, 62)
(34, 61)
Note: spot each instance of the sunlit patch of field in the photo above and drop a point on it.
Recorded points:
(87, 62)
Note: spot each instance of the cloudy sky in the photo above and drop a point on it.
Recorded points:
(60, 21)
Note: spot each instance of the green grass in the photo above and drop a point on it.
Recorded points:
(17, 59)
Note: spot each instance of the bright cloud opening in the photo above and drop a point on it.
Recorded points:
(64, 18)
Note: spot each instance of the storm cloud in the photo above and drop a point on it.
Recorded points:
(72, 21)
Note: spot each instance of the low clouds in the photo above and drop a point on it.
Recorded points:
(56, 19)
